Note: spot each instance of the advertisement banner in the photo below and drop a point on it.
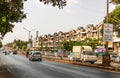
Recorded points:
(108, 32)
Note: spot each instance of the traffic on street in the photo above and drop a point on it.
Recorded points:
(21, 67)
(59, 38)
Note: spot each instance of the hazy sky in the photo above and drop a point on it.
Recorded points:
(47, 19)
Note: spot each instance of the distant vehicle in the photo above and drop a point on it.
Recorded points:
(117, 59)
(14, 52)
(83, 54)
(35, 55)
(113, 57)
(60, 54)
(27, 52)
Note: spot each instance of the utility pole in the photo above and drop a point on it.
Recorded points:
(106, 57)
(29, 31)
(107, 11)
(107, 16)
(29, 45)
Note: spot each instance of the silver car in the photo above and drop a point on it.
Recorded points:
(117, 59)
(35, 55)
(113, 57)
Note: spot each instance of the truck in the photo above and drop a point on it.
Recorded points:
(84, 54)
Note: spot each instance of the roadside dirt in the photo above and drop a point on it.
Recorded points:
(4, 73)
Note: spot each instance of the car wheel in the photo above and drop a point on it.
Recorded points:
(31, 59)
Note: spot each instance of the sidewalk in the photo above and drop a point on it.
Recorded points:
(112, 64)
(4, 73)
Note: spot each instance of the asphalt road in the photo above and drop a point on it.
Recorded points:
(21, 67)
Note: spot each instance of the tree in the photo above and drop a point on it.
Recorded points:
(115, 1)
(10, 11)
(68, 45)
(79, 43)
(88, 42)
(24, 47)
(1, 44)
(114, 18)
(59, 3)
(92, 42)
(21, 44)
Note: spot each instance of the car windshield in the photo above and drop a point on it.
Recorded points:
(114, 56)
(36, 52)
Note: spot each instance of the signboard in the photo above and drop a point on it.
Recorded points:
(108, 32)
(71, 54)
(100, 49)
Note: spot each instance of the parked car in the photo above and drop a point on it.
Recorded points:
(60, 54)
(14, 52)
(117, 59)
(113, 58)
(35, 55)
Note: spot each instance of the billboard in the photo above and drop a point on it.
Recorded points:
(107, 32)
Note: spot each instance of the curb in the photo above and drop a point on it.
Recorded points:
(100, 66)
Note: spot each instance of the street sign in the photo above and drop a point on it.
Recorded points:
(100, 49)
(108, 32)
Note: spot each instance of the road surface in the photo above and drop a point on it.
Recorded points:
(21, 67)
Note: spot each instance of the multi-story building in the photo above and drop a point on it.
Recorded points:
(90, 31)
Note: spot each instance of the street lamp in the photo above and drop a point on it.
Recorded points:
(29, 31)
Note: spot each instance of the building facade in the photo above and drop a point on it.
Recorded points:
(51, 41)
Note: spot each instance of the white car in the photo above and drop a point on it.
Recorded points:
(117, 59)
(70, 58)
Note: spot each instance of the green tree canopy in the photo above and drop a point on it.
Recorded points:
(115, 1)
(92, 42)
(114, 18)
(21, 44)
(59, 3)
(10, 11)
(1, 44)
(68, 45)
